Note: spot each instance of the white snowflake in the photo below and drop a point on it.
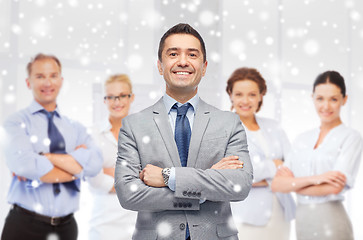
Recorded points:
(52, 236)
(133, 187)
(35, 183)
(38, 207)
(46, 141)
(295, 71)
(237, 188)
(33, 139)
(164, 229)
(264, 16)
(206, 18)
(146, 139)
(311, 47)
(355, 15)
(9, 98)
(73, 3)
(269, 40)
(256, 159)
(215, 57)
(237, 47)
(134, 62)
(16, 29)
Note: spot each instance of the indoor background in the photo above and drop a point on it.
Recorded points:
(289, 41)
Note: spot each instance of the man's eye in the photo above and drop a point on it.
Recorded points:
(173, 54)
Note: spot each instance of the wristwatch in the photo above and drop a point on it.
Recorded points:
(166, 174)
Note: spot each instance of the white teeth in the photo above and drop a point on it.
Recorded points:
(182, 73)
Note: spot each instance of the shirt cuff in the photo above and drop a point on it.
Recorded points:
(81, 155)
(171, 183)
(45, 166)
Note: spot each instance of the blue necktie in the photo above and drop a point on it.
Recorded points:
(182, 132)
(57, 145)
(182, 138)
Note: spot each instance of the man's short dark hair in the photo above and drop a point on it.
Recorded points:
(182, 28)
(41, 56)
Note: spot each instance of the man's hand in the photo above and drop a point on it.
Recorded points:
(230, 162)
(151, 176)
(81, 146)
(20, 178)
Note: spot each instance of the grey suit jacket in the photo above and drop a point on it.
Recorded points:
(147, 138)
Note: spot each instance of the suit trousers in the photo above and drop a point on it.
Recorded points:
(21, 225)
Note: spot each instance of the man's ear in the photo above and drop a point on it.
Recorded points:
(160, 67)
(28, 83)
(204, 68)
(132, 98)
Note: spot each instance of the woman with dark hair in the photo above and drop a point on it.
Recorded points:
(263, 214)
(322, 165)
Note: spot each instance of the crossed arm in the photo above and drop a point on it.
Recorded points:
(224, 181)
(331, 182)
(151, 175)
(65, 167)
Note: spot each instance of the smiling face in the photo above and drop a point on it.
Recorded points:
(328, 100)
(118, 108)
(45, 81)
(245, 97)
(182, 65)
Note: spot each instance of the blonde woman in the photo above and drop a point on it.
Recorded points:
(322, 166)
(263, 214)
(109, 220)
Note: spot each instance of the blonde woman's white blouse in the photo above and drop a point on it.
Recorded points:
(108, 219)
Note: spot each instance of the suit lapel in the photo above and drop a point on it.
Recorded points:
(161, 120)
(200, 124)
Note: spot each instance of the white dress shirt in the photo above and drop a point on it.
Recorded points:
(340, 151)
(108, 219)
(268, 143)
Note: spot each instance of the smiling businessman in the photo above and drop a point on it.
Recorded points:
(196, 162)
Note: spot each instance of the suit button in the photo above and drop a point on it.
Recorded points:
(198, 194)
(180, 204)
(189, 194)
(182, 226)
(189, 205)
(175, 204)
(185, 193)
(185, 205)
(194, 194)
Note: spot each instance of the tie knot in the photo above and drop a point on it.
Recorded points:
(48, 114)
(182, 110)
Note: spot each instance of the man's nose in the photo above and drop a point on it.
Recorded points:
(48, 81)
(183, 60)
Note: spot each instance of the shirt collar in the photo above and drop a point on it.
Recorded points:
(105, 125)
(35, 107)
(169, 102)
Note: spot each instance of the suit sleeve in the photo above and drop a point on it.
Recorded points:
(133, 193)
(219, 185)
